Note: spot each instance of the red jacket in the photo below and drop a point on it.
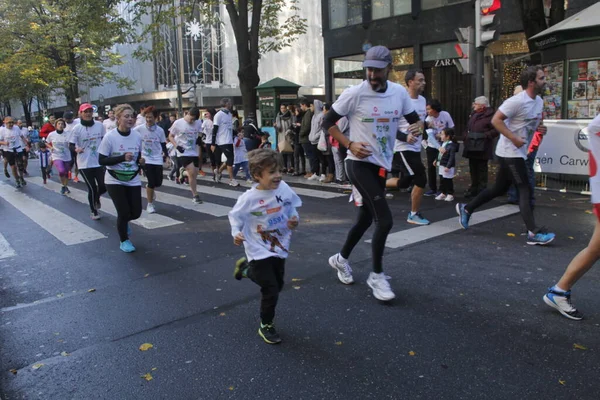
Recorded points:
(47, 129)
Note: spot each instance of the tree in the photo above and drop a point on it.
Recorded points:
(72, 37)
(534, 19)
(256, 25)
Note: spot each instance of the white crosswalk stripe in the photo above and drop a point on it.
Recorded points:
(66, 229)
(148, 221)
(6, 251)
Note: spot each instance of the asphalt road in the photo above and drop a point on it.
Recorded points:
(468, 321)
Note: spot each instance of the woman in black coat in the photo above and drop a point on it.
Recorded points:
(479, 144)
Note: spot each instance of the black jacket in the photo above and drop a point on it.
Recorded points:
(481, 122)
(448, 159)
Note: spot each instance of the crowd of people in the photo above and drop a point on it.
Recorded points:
(371, 138)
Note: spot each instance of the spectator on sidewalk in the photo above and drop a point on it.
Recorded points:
(251, 133)
(317, 162)
(437, 121)
(299, 156)
(283, 123)
(304, 132)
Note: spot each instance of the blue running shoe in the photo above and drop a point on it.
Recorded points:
(430, 193)
(463, 215)
(562, 302)
(541, 238)
(127, 246)
(416, 219)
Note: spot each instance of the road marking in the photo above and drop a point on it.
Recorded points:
(148, 221)
(425, 232)
(66, 229)
(215, 210)
(6, 250)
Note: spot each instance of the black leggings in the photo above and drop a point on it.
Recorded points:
(512, 170)
(432, 171)
(367, 180)
(211, 156)
(94, 179)
(268, 274)
(128, 202)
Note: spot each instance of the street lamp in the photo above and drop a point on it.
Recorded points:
(194, 82)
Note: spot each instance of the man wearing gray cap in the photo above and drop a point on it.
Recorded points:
(373, 109)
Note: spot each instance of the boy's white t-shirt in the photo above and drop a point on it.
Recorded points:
(114, 144)
(186, 135)
(374, 118)
(524, 114)
(262, 216)
(87, 138)
(420, 105)
(438, 124)
(151, 143)
(225, 122)
(240, 153)
(60, 146)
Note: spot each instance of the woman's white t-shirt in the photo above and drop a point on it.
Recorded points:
(88, 139)
(114, 144)
(524, 114)
(225, 123)
(60, 146)
(151, 143)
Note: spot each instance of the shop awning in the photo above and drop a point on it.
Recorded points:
(585, 25)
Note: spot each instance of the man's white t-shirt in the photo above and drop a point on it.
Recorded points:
(185, 135)
(114, 144)
(420, 105)
(151, 143)
(13, 136)
(524, 114)
(60, 146)
(593, 131)
(262, 216)
(109, 124)
(25, 135)
(438, 124)
(224, 121)
(374, 118)
(88, 139)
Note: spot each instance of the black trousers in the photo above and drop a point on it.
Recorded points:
(367, 180)
(299, 159)
(511, 171)
(311, 152)
(128, 202)
(479, 175)
(432, 173)
(94, 179)
(446, 185)
(211, 156)
(268, 274)
(44, 173)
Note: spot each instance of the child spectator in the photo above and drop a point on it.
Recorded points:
(262, 219)
(264, 141)
(446, 163)
(240, 156)
(44, 156)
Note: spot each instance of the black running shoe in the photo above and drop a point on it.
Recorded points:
(241, 266)
(6, 173)
(269, 334)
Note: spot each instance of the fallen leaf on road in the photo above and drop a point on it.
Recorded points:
(37, 366)
(411, 353)
(60, 295)
(307, 220)
(146, 347)
(588, 212)
(562, 382)
(91, 290)
(147, 275)
(64, 354)
(231, 388)
(13, 371)
(510, 234)
(182, 256)
(222, 314)
(296, 287)
(338, 343)
(154, 369)
(297, 280)
(147, 376)
(579, 346)
(571, 237)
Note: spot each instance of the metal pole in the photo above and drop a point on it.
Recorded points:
(479, 72)
(177, 67)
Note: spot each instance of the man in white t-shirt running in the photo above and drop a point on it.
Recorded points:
(26, 145)
(71, 123)
(517, 120)
(184, 135)
(222, 140)
(373, 109)
(110, 123)
(11, 139)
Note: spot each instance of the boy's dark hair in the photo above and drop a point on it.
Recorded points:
(450, 133)
(42, 145)
(152, 110)
(529, 74)
(410, 75)
(262, 159)
(195, 112)
(435, 105)
(326, 106)
(306, 102)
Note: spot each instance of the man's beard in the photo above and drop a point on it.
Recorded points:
(378, 84)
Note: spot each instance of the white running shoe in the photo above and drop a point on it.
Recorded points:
(217, 176)
(381, 287)
(441, 196)
(313, 177)
(95, 217)
(150, 208)
(449, 198)
(233, 183)
(344, 272)
(322, 178)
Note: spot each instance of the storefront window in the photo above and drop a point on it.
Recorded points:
(554, 91)
(344, 12)
(403, 59)
(430, 4)
(387, 8)
(439, 51)
(583, 91)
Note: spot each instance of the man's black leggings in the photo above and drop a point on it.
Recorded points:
(94, 179)
(128, 202)
(371, 185)
(268, 274)
(512, 170)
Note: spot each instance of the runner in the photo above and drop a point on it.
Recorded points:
(207, 134)
(184, 136)
(559, 295)
(517, 120)
(110, 123)
(120, 152)
(85, 139)
(373, 108)
(58, 141)
(407, 167)
(26, 145)
(223, 140)
(11, 139)
(140, 119)
(71, 124)
(154, 153)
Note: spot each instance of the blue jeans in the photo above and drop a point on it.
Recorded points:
(513, 194)
(244, 166)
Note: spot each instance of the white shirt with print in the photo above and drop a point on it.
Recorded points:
(109, 124)
(186, 135)
(224, 133)
(13, 136)
(60, 146)
(420, 105)
(524, 114)
(114, 144)
(151, 143)
(262, 216)
(88, 139)
(374, 118)
(438, 124)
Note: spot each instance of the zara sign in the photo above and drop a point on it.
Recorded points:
(444, 62)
